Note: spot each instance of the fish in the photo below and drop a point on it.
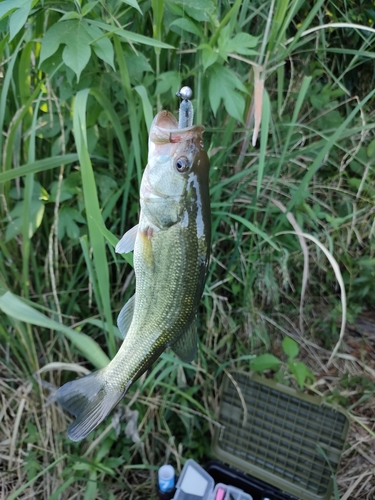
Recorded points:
(171, 245)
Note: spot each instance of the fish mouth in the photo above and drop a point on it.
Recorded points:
(164, 129)
(165, 120)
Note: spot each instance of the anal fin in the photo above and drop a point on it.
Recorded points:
(186, 346)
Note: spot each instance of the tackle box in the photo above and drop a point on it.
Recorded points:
(286, 444)
(272, 443)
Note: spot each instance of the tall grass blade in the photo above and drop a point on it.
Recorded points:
(266, 112)
(291, 129)
(93, 212)
(29, 185)
(304, 25)
(112, 240)
(5, 91)
(147, 108)
(249, 225)
(16, 494)
(13, 306)
(129, 96)
(130, 36)
(13, 131)
(38, 166)
(338, 275)
(113, 118)
(322, 153)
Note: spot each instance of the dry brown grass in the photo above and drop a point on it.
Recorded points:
(23, 405)
(356, 359)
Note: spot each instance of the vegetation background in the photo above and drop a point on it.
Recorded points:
(285, 91)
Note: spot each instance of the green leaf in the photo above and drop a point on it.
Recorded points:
(102, 46)
(371, 149)
(67, 189)
(290, 347)
(300, 372)
(187, 25)
(133, 3)
(13, 306)
(170, 80)
(245, 40)
(107, 187)
(18, 19)
(214, 95)
(9, 6)
(70, 15)
(48, 126)
(265, 362)
(57, 34)
(242, 43)
(223, 84)
(74, 35)
(137, 64)
(77, 52)
(68, 218)
(223, 42)
(88, 7)
(209, 55)
(200, 10)
(228, 78)
(129, 36)
(234, 104)
(247, 52)
(36, 211)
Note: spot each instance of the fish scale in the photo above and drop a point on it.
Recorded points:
(168, 322)
(171, 253)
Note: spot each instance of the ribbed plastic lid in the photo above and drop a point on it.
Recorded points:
(284, 437)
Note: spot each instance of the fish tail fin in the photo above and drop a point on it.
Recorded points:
(89, 400)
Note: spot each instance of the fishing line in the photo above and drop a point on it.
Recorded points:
(181, 40)
(186, 110)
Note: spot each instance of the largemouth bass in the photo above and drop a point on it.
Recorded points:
(171, 247)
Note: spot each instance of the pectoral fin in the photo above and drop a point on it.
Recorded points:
(127, 242)
(125, 317)
(186, 346)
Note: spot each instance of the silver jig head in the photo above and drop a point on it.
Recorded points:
(186, 112)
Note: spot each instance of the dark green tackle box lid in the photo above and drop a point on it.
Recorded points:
(287, 439)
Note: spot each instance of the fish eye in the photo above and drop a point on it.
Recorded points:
(182, 164)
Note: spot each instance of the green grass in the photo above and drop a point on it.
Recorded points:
(292, 212)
